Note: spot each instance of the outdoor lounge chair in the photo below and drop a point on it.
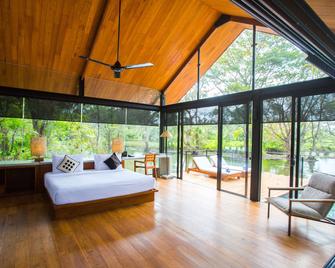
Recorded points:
(214, 160)
(314, 202)
(202, 165)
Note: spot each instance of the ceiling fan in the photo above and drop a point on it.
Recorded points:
(117, 67)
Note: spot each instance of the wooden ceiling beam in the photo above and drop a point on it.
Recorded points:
(93, 41)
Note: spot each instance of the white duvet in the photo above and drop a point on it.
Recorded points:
(67, 188)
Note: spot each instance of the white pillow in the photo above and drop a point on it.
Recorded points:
(68, 165)
(57, 159)
(99, 162)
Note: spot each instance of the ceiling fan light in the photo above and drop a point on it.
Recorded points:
(117, 74)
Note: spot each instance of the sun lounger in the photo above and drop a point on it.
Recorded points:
(202, 165)
(214, 160)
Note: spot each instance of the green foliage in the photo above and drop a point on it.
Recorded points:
(72, 137)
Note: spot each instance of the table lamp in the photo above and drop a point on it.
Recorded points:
(117, 146)
(38, 148)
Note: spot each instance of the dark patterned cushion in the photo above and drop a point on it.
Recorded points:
(113, 162)
(68, 164)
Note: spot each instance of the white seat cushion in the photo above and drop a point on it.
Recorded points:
(298, 208)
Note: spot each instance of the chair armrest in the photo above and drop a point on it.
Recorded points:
(285, 188)
(314, 200)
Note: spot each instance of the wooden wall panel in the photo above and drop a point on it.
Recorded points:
(106, 89)
(28, 77)
(213, 48)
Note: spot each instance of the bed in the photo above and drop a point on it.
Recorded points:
(79, 193)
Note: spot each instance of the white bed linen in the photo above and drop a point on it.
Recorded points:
(67, 188)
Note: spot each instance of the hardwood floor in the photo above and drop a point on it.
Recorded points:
(187, 226)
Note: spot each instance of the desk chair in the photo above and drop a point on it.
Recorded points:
(148, 163)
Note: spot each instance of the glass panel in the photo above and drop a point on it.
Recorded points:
(142, 117)
(191, 95)
(201, 116)
(200, 143)
(276, 144)
(318, 108)
(278, 62)
(103, 114)
(232, 71)
(73, 138)
(11, 106)
(277, 110)
(172, 119)
(235, 162)
(52, 110)
(317, 147)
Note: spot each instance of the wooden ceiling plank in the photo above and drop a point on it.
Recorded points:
(223, 19)
(101, 17)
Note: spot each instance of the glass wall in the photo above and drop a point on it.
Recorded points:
(73, 128)
(278, 62)
(235, 149)
(199, 145)
(232, 71)
(276, 144)
(317, 142)
(172, 143)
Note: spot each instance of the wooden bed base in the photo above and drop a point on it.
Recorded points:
(88, 207)
(223, 176)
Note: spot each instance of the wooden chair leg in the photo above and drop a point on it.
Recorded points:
(289, 226)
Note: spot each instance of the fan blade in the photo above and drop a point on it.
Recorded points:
(141, 65)
(96, 61)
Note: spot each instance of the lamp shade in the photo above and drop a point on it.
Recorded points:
(38, 146)
(117, 145)
(166, 134)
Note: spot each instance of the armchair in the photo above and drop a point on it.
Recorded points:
(314, 203)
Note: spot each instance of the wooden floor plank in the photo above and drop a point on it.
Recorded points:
(187, 226)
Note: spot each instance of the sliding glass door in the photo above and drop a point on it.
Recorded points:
(298, 139)
(171, 142)
(199, 145)
(277, 147)
(235, 143)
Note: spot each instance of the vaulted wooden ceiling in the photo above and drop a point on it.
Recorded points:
(41, 42)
